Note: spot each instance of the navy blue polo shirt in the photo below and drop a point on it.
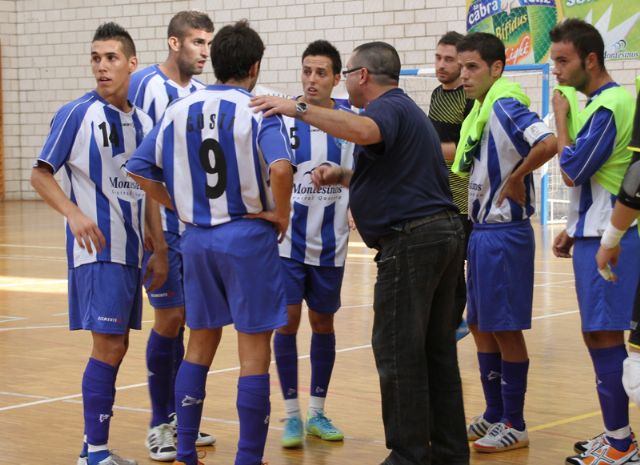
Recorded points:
(402, 178)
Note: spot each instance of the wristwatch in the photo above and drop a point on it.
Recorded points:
(301, 108)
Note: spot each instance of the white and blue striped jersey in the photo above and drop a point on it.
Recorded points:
(318, 231)
(151, 90)
(590, 204)
(213, 153)
(508, 136)
(92, 140)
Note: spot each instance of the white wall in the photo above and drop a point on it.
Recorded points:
(46, 44)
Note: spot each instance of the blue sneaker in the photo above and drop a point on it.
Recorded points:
(462, 330)
(293, 434)
(321, 426)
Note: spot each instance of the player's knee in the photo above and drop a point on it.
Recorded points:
(321, 322)
(109, 348)
(169, 321)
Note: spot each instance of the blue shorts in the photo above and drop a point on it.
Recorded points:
(605, 305)
(319, 286)
(170, 295)
(105, 298)
(500, 276)
(233, 274)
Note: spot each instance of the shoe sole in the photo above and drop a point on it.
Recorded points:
(292, 444)
(332, 439)
(490, 450)
(165, 457)
(203, 442)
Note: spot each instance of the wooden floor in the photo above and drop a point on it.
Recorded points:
(41, 366)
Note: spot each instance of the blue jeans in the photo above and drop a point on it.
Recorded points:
(414, 342)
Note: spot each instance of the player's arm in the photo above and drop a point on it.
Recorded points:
(593, 146)
(325, 175)
(341, 124)
(449, 150)
(561, 112)
(154, 189)
(158, 264)
(281, 177)
(540, 153)
(86, 232)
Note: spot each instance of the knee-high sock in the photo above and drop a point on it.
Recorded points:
(160, 358)
(253, 410)
(491, 377)
(97, 400)
(614, 402)
(514, 387)
(323, 357)
(190, 394)
(286, 354)
(178, 349)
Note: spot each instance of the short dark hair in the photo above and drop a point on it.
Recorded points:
(585, 38)
(188, 19)
(235, 48)
(325, 49)
(381, 59)
(489, 47)
(451, 38)
(113, 31)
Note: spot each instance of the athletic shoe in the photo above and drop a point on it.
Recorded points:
(161, 443)
(604, 453)
(202, 440)
(477, 428)
(114, 459)
(462, 330)
(581, 447)
(321, 426)
(292, 435)
(82, 461)
(501, 437)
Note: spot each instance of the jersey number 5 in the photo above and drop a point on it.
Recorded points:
(215, 164)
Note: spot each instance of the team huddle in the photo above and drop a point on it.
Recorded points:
(234, 209)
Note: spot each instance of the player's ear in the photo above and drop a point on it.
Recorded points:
(174, 43)
(133, 63)
(336, 79)
(254, 70)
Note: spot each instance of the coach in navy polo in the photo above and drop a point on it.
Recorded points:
(402, 206)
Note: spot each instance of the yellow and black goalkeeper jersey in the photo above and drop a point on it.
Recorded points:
(447, 110)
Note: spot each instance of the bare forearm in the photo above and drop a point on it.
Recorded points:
(540, 153)
(281, 176)
(343, 125)
(153, 223)
(154, 190)
(623, 216)
(48, 188)
(449, 151)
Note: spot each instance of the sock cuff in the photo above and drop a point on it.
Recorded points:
(161, 341)
(620, 433)
(609, 359)
(515, 371)
(285, 341)
(254, 383)
(323, 341)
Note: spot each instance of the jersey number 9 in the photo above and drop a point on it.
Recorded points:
(215, 164)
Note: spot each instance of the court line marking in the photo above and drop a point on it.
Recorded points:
(211, 372)
(27, 246)
(8, 318)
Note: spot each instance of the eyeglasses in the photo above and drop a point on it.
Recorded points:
(346, 72)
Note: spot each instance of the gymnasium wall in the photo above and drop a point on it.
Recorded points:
(45, 45)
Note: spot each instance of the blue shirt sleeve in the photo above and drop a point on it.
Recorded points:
(593, 147)
(64, 129)
(144, 162)
(274, 141)
(523, 126)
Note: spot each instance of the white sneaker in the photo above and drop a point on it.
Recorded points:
(477, 428)
(114, 459)
(501, 437)
(604, 453)
(581, 447)
(161, 443)
(203, 439)
(82, 461)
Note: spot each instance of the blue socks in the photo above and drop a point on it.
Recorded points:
(97, 399)
(190, 393)
(614, 402)
(160, 367)
(253, 410)
(286, 354)
(178, 356)
(323, 357)
(491, 377)
(514, 387)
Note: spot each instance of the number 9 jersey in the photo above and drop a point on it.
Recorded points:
(213, 153)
